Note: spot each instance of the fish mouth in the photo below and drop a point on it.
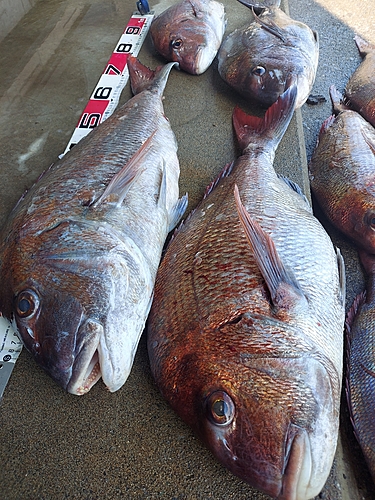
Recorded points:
(86, 369)
(203, 59)
(298, 470)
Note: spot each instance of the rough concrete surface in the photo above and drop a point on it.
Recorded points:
(130, 444)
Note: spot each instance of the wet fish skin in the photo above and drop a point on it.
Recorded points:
(360, 89)
(79, 252)
(342, 173)
(190, 33)
(360, 378)
(259, 59)
(253, 362)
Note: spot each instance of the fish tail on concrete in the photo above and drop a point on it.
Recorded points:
(272, 126)
(142, 77)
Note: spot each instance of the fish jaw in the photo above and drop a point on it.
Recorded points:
(86, 369)
(64, 345)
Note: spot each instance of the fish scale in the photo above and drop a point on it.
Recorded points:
(259, 59)
(360, 359)
(79, 252)
(341, 172)
(246, 346)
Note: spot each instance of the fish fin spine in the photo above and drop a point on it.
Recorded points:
(328, 122)
(337, 100)
(224, 173)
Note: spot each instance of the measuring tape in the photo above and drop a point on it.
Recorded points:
(10, 348)
(106, 94)
(102, 103)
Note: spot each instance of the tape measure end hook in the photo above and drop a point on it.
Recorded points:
(143, 7)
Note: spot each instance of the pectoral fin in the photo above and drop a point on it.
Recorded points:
(123, 180)
(284, 289)
(178, 212)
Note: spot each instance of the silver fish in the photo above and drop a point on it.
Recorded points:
(261, 58)
(245, 334)
(190, 33)
(80, 251)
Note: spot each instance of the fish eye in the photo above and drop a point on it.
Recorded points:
(220, 408)
(27, 303)
(258, 70)
(176, 43)
(370, 219)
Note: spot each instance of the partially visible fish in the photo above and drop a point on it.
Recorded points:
(245, 334)
(79, 252)
(258, 60)
(360, 379)
(190, 33)
(360, 89)
(342, 173)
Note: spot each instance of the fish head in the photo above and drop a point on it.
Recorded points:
(64, 342)
(190, 33)
(255, 74)
(265, 417)
(74, 305)
(260, 59)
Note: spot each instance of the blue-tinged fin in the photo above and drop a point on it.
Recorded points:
(258, 6)
(284, 289)
(124, 179)
(179, 209)
(178, 212)
(295, 187)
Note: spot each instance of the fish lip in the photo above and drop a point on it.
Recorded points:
(203, 59)
(86, 369)
(297, 473)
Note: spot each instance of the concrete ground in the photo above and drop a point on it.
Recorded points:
(130, 444)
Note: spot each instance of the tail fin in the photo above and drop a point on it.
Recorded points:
(142, 77)
(259, 5)
(272, 126)
(337, 99)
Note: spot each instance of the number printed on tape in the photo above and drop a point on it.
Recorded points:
(10, 343)
(106, 94)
